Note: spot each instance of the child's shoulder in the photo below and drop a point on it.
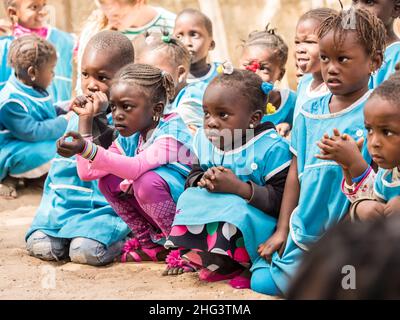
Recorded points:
(60, 36)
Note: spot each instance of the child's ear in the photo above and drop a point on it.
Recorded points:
(256, 118)
(182, 74)
(282, 74)
(377, 62)
(396, 10)
(212, 45)
(32, 74)
(158, 109)
(12, 14)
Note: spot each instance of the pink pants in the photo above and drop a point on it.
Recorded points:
(148, 209)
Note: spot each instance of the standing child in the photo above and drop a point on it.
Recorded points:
(143, 173)
(29, 17)
(372, 196)
(234, 193)
(131, 17)
(170, 55)
(388, 11)
(266, 54)
(74, 219)
(311, 202)
(311, 84)
(29, 126)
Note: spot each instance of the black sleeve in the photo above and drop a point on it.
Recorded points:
(268, 198)
(103, 133)
(194, 176)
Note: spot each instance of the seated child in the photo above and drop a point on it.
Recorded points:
(234, 193)
(74, 220)
(311, 202)
(29, 126)
(372, 195)
(387, 12)
(29, 17)
(311, 85)
(131, 17)
(169, 54)
(265, 53)
(143, 173)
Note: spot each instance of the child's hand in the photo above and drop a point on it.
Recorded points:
(342, 149)
(100, 102)
(276, 243)
(283, 129)
(68, 149)
(223, 180)
(392, 207)
(208, 178)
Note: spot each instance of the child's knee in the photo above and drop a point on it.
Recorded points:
(262, 282)
(47, 248)
(147, 185)
(92, 252)
(109, 185)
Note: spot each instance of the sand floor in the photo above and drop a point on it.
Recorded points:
(24, 277)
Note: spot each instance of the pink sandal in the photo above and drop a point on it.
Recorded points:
(174, 260)
(240, 282)
(213, 276)
(133, 249)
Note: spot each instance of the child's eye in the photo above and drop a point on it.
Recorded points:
(194, 34)
(369, 130)
(113, 107)
(103, 78)
(85, 75)
(343, 59)
(179, 36)
(324, 58)
(223, 115)
(128, 107)
(206, 114)
(387, 133)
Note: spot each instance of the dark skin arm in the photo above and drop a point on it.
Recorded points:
(277, 242)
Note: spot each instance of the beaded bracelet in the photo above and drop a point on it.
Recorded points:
(89, 151)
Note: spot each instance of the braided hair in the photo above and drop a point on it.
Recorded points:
(370, 30)
(29, 51)
(247, 84)
(152, 41)
(268, 38)
(158, 84)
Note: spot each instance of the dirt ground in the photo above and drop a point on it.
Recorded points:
(24, 277)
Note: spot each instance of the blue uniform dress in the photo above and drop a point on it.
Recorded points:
(174, 174)
(258, 160)
(304, 93)
(321, 204)
(286, 110)
(29, 128)
(61, 87)
(5, 71)
(390, 59)
(72, 208)
(386, 188)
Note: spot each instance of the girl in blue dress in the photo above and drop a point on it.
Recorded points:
(28, 18)
(266, 53)
(29, 126)
(234, 192)
(388, 12)
(312, 202)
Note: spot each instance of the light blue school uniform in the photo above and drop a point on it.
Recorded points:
(61, 87)
(304, 93)
(174, 174)
(390, 59)
(258, 160)
(72, 208)
(29, 128)
(321, 204)
(5, 71)
(204, 81)
(285, 112)
(385, 187)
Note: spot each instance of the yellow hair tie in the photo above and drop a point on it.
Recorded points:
(270, 109)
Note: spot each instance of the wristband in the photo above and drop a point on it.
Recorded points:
(89, 151)
(364, 174)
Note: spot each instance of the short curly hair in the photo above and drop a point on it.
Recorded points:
(29, 51)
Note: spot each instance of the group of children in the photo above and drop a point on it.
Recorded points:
(164, 156)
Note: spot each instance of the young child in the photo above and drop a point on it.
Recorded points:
(170, 55)
(311, 84)
(265, 53)
(29, 17)
(195, 30)
(29, 126)
(234, 193)
(387, 11)
(371, 248)
(74, 219)
(131, 17)
(143, 173)
(372, 195)
(311, 202)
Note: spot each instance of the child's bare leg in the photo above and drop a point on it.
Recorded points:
(369, 210)
(8, 188)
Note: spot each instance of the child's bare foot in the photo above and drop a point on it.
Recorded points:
(8, 188)
(176, 265)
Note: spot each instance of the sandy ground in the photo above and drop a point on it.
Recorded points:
(24, 277)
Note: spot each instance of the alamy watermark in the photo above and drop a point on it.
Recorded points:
(349, 279)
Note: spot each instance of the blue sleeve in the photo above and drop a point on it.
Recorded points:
(24, 127)
(278, 158)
